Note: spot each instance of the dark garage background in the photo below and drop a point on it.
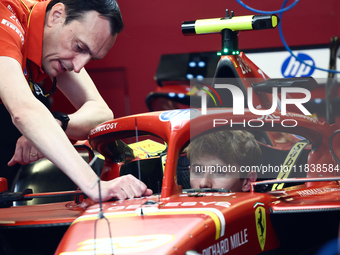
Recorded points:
(153, 27)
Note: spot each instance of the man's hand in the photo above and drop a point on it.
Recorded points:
(24, 153)
(123, 187)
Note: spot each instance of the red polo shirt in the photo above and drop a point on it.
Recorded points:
(21, 33)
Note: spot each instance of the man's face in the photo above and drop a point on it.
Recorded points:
(204, 174)
(69, 47)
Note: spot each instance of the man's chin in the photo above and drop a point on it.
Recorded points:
(51, 70)
(52, 73)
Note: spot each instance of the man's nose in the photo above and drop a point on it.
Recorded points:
(206, 182)
(79, 61)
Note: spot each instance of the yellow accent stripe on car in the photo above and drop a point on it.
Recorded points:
(215, 214)
(289, 162)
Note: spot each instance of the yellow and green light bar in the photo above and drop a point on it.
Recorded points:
(216, 25)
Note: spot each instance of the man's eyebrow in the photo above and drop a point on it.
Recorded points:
(195, 165)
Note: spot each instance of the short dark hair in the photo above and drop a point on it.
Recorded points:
(106, 8)
(231, 146)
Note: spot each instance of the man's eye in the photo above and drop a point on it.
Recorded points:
(221, 173)
(196, 170)
(79, 49)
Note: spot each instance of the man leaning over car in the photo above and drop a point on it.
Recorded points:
(55, 39)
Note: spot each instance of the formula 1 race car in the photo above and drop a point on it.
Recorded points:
(293, 208)
(299, 215)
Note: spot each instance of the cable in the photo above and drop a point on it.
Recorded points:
(100, 214)
(139, 172)
(283, 9)
(290, 51)
(268, 12)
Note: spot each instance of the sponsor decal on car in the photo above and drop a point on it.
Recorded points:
(181, 114)
(224, 246)
(260, 221)
(289, 162)
(103, 128)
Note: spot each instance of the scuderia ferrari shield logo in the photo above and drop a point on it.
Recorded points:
(260, 219)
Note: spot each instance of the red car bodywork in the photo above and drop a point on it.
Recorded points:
(284, 221)
(208, 222)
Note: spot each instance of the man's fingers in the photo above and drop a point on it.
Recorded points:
(128, 186)
(17, 157)
(139, 187)
(26, 149)
(33, 155)
(12, 162)
(40, 155)
(24, 153)
(148, 192)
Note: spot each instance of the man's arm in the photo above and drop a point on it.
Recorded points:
(38, 126)
(91, 108)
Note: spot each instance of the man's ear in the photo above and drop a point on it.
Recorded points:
(56, 15)
(251, 177)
